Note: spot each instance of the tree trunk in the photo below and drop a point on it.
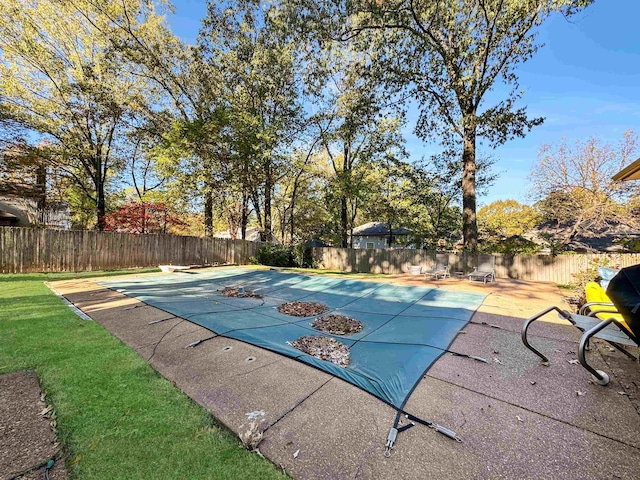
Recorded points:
(344, 222)
(266, 233)
(100, 205)
(144, 217)
(469, 224)
(41, 184)
(245, 216)
(292, 217)
(208, 213)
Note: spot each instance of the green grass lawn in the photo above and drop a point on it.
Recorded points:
(116, 417)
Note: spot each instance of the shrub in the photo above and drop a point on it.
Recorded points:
(590, 274)
(303, 255)
(630, 244)
(514, 245)
(274, 255)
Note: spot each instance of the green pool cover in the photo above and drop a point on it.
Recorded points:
(405, 329)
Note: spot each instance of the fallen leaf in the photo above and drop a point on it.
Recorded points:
(46, 410)
(295, 455)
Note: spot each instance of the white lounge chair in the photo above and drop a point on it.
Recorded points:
(441, 268)
(484, 270)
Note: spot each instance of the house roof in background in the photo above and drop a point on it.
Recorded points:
(379, 228)
(632, 172)
(316, 243)
(7, 216)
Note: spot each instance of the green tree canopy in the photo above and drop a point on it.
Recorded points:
(449, 54)
(507, 217)
(62, 80)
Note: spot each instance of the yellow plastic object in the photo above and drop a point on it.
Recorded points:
(595, 293)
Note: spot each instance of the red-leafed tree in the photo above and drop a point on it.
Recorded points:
(142, 217)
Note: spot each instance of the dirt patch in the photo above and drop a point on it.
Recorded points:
(302, 309)
(27, 440)
(324, 348)
(337, 324)
(236, 292)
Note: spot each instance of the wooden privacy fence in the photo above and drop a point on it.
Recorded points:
(38, 250)
(538, 268)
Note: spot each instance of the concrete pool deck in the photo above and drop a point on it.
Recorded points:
(517, 418)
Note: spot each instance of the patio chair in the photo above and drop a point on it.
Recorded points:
(441, 268)
(616, 322)
(484, 269)
(598, 303)
(414, 269)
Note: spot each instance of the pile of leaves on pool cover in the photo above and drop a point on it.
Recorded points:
(233, 292)
(324, 348)
(337, 324)
(302, 309)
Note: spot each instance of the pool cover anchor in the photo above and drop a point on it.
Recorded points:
(395, 430)
(391, 440)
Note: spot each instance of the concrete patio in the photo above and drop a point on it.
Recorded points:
(517, 418)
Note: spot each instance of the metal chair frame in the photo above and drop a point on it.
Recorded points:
(600, 377)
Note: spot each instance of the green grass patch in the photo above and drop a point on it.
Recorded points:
(116, 416)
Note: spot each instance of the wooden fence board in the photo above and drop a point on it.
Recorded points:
(25, 250)
(40, 250)
(539, 268)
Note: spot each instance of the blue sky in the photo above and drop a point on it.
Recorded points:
(585, 81)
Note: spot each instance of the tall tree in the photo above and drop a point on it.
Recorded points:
(61, 79)
(574, 184)
(357, 122)
(387, 199)
(505, 218)
(189, 114)
(244, 41)
(299, 185)
(450, 54)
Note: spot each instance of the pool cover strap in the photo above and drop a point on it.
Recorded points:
(396, 429)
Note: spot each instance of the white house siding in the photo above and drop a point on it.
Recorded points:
(360, 241)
